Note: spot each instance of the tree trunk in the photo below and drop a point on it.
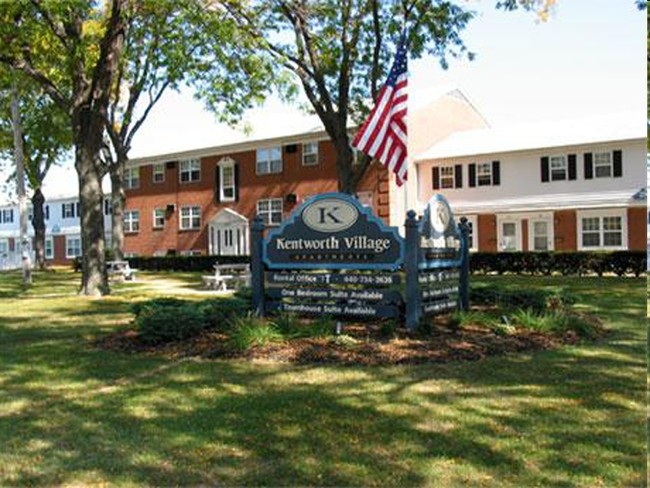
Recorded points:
(19, 155)
(94, 281)
(118, 200)
(38, 202)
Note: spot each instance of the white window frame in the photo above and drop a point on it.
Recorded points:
(601, 215)
(310, 155)
(447, 177)
(7, 216)
(603, 161)
(158, 173)
(484, 170)
(189, 171)
(159, 218)
(131, 221)
(132, 178)
(68, 210)
(227, 189)
(49, 248)
(558, 168)
(265, 161)
(190, 217)
(76, 250)
(266, 210)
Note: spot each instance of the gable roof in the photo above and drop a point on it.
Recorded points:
(538, 135)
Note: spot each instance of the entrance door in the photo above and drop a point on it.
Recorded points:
(540, 235)
(510, 236)
(229, 234)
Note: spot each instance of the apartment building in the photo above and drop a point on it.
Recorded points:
(201, 201)
(552, 186)
(63, 231)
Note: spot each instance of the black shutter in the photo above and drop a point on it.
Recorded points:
(236, 182)
(63, 210)
(589, 166)
(572, 167)
(618, 163)
(544, 163)
(435, 177)
(472, 174)
(458, 176)
(496, 173)
(217, 184)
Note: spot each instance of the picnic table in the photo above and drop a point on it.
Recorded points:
(228, 277)
(120, 269)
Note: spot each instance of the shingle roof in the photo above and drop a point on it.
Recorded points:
(530, 136)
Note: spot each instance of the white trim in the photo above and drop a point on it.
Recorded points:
(67, 248)
(191, 163)
(268, 160)
(612, 212)
(316, 154)
(501, 242)
(191, 217)
(227, 163)
(154, 173)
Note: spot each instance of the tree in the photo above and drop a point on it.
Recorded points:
(72, 50)
(45, 140)
(170, 43)
(339, 51)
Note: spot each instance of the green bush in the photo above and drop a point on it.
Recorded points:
(219, 312)
(183, 263)
(137, 307)
(249, 331)
(160, 323)
(621, 263)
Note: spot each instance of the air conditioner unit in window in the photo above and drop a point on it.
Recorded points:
(291, 198)
(170, 208)
(291, 148)
(171, 164)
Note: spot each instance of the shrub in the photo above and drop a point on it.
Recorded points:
(219, 312)
(250, 331)
(137, 307)
(160, 323)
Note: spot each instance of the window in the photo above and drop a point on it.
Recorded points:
(49, 248)
(484, 174)
(72, 246)
(269, 160)
(190, 218)
(227, 192)
(558, 168)
(603, 165)
(7, 216)
(132, 221)
(270, 210)
(159, 218)
(158, 173)
(69, 210)
(604, 231)
(190, 170)
(310, 154)
(30, 212)
(4, 247)
(447, 177)
(131, 178)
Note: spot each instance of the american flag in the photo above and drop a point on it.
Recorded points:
(383, 134)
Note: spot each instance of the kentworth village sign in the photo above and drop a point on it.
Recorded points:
(334, 257)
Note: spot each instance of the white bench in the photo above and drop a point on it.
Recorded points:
(228, 277)
(120, 269)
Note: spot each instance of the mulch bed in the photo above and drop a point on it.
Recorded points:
(469, 343)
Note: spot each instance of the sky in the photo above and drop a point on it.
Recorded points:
(588, 59)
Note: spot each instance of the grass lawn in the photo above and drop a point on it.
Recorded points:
(73, 414)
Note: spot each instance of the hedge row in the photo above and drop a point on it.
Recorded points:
(183, 263)
(620, 263)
